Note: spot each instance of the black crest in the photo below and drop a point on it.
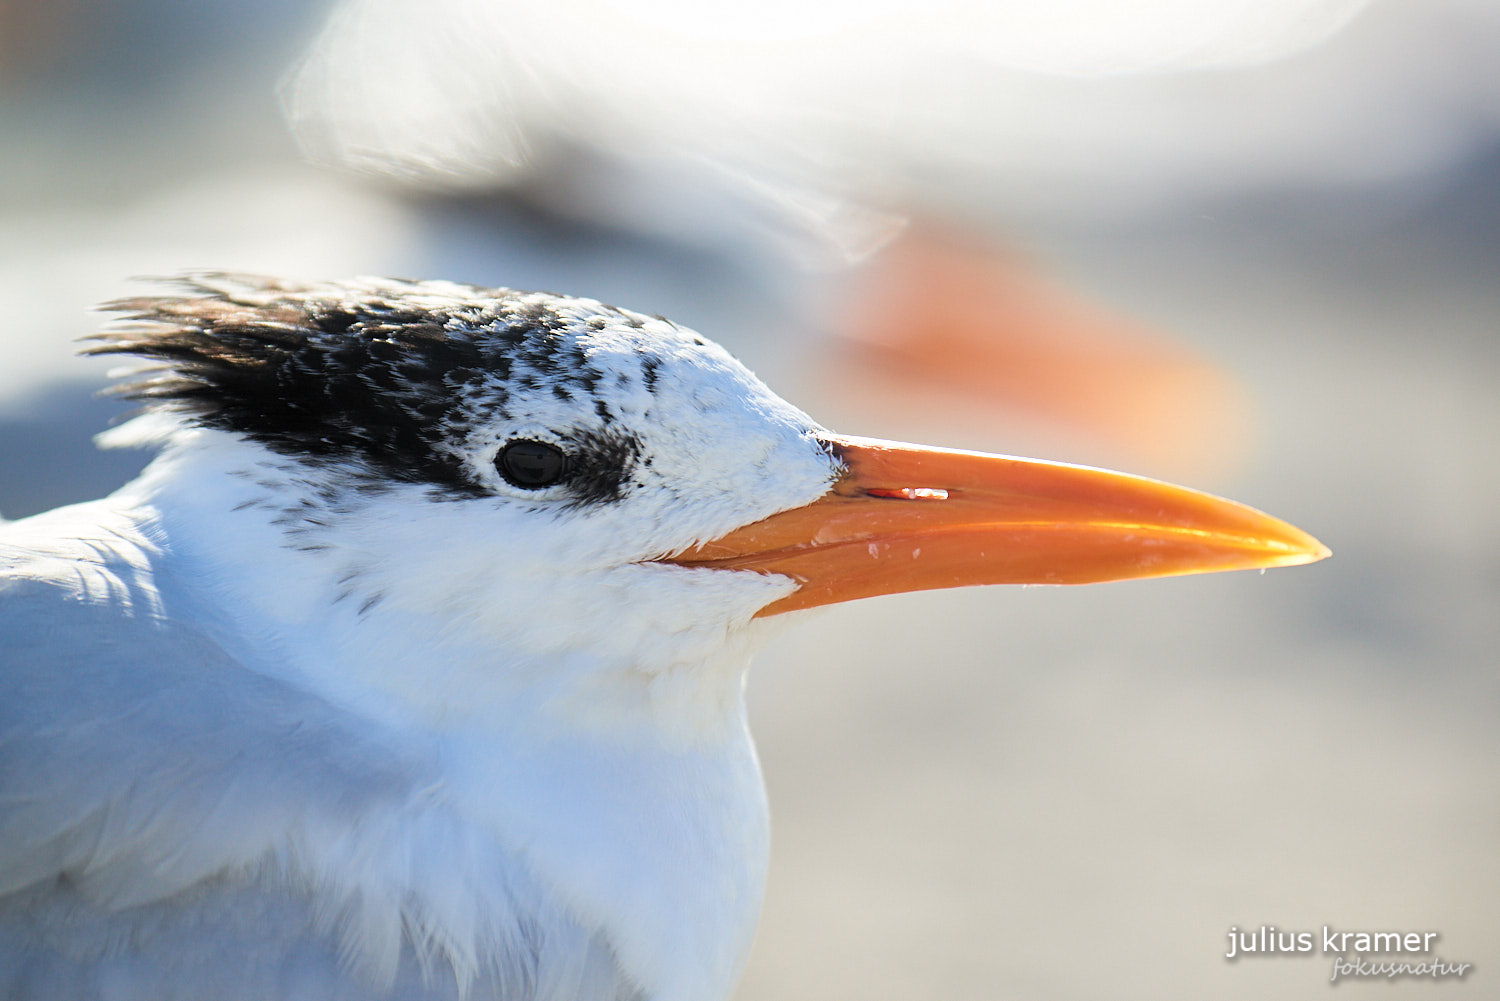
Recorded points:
(383, 373)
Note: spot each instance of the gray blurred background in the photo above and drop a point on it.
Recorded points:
(1250, 247)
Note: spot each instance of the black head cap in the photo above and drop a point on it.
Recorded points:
(382, 374)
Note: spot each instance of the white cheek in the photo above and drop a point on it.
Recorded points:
(676, 602)
(647, 616)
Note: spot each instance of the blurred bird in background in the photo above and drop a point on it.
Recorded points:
(1197, 240)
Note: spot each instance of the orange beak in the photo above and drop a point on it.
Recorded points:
(911, 518)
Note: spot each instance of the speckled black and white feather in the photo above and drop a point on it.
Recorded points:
(393, 377)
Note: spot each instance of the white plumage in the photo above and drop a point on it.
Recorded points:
(332, 702)
(523, 772)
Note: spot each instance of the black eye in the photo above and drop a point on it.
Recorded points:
(531, 465)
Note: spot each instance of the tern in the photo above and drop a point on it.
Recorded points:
(413, 664)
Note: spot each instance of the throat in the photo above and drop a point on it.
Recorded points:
(589, 725)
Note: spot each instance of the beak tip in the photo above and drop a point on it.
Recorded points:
(1303, 550)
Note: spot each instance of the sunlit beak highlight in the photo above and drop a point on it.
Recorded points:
(912, 518)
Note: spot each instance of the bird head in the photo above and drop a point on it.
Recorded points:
(571, 482)
(531, 539)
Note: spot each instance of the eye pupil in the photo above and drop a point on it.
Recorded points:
(531, 464)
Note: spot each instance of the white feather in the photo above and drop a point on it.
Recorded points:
(380, 744)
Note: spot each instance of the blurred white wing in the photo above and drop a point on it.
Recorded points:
(174, 824)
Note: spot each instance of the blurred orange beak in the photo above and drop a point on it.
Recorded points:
(911, 518)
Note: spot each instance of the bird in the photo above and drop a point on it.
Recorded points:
(413, 664)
